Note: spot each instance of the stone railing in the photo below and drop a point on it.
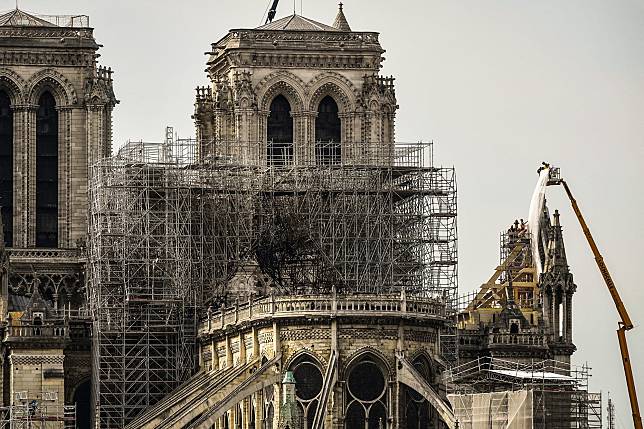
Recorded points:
(325, 306)
(524, 339)
(32, 331)
(22, 254)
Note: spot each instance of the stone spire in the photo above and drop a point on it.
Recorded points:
(290, 414)
(341, 21)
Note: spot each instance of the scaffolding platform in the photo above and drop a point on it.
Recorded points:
(172, 235)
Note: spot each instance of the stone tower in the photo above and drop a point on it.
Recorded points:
(343, 322)
(55, 121)
(296, 91)
(519, 315)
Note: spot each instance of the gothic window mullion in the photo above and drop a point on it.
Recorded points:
(6, 167)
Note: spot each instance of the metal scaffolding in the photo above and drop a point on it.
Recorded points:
(171, 237)
(558, 395)
(36, 415)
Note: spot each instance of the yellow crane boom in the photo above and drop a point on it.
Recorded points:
(625, 324)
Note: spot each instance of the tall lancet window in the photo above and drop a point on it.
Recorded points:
(47, 172)
(6, 167)
(328, 133)
(280, 133)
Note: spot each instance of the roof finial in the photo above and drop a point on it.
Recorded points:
(341, 21)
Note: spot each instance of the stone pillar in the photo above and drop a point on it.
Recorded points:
(95, 132)
(24, 195)
(555, 310)
(255, 335)
(231, 417)
(229, 353)
(276, 341)
(246, 411)
(564, 312)
(259, 409)
(300, 146)
(65, 173)
(262, 143)
(242, 350)
(569, 317)
(23, 120)
(215, 356)
(547, 309)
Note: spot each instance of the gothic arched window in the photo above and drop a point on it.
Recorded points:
(328, 133)
(47, 172)
(418, 412)
(280, 133)
(366, 396)
(308, 387)
(6, 167)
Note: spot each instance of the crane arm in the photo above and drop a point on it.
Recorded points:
(625, 324)
(621, 309)
(272, 11)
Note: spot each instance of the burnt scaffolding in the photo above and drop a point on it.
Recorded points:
(172, 236)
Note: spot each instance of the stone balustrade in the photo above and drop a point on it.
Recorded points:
(522, 339)
(325, 306)
(27, 331)
(39, 254)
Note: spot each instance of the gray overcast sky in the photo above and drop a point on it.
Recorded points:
(499, 85)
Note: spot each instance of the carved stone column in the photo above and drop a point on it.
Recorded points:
(547, 310)
(568, 316)
(65, 172)
(346, 137)
(262, 133)
(259, 409)
(300, 141)
(564, 322)
(28, 167)
(95, 133)
(215, 356)
(556, 319)
(24, 143)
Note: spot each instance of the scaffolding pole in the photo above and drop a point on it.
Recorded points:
(172, 235)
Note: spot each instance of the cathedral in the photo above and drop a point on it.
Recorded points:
(293, 266)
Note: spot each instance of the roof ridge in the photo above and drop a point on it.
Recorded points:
(20, 18)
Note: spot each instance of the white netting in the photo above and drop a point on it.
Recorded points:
(497, 410)
(534, 216)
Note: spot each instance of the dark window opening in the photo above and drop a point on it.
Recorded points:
(47, 172)
(377, 416)
(280, 133)
(268, 423)
(308, 380)
(355, 416)
(366, 381)
(328, 133)
(6, 168)
(83, 403)
(514, 328)
(417, 414)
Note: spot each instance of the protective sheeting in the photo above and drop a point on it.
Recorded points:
(497, 410)
(534, 216)
(532, 375)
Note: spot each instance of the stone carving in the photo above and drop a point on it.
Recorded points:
(49, 78)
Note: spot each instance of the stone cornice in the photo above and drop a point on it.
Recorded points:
(36, 359)
(320, 61)
(27, 56)
(48, 32)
